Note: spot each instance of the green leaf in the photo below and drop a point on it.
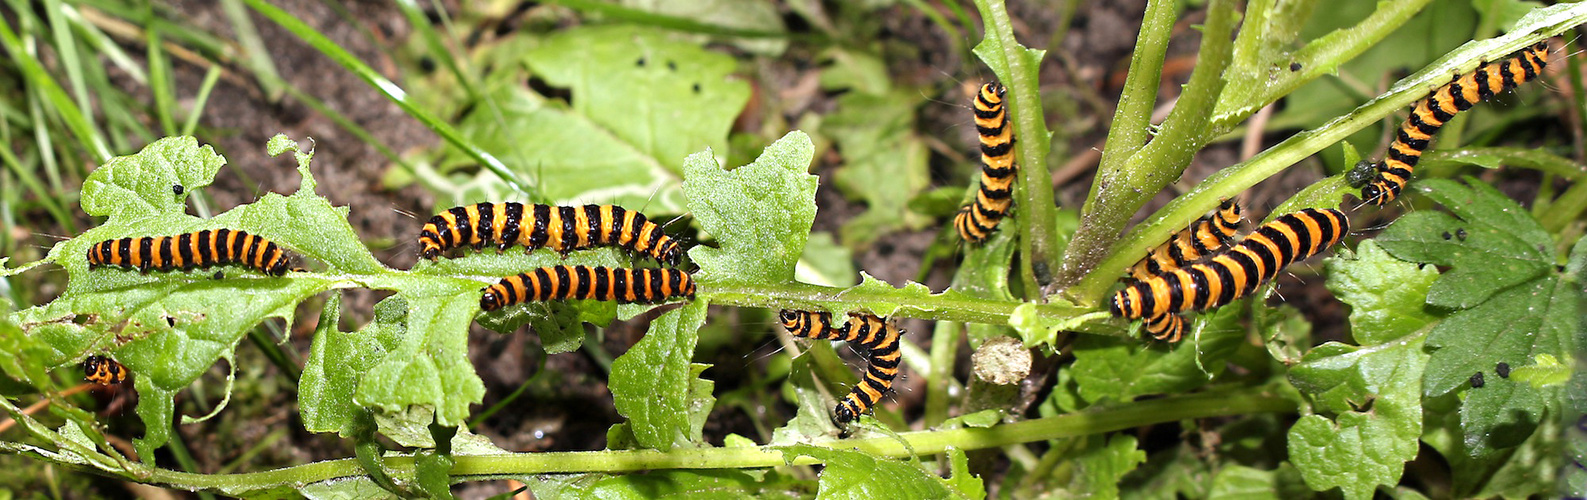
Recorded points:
(1101, 466)
(760, 213)
(1374, 393)
(337, 360)
(884, 161)
(963, 483)
(428, 366)
(655, 386)
(139, 185)
(851, 474)
(1385, 294)
(1121, 369)
(710, 484)
(649, 93)
(825, 263)
(1547, 371)
(1493, 245)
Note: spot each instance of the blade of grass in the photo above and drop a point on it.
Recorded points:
(39, 80)
(211, 77)
(392, 92)
(620, 13)
(66, 48)
(160, 82)
(438, 48)
(255, 56)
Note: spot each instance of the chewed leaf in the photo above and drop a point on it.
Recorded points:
(429, 365)
(1375, 394)
(1385, 294)
(760, 213)
(140, 185)
(852, 474)
(655, 386)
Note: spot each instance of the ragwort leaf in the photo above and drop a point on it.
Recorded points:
(760, 213)
(139, 185)
(657, 388)
(1490, 244)
(1385, 294)
(1374, 393)
(852, 474)
(884, 161)
(1121, 369)
(428, 366)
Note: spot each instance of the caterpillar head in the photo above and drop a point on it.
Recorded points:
(844, 414)
(492, 298)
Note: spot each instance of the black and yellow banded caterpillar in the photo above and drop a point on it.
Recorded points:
(879, 338)
(1204, 237)
(103, 370)
(976, 221)
(1231, 273)
(1431, 114)
(186, 251)
(561, 228)
(565, 282)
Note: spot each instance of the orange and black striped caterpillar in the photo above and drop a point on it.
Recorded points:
(561, 228)
(186, 251)
(104, 371)
(876, 335)
(1204, 237)
(976, 221)
(1229, 274)
(1431, 114)
(565, 282)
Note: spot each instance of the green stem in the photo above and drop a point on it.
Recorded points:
(1124, 182)
(947, 306)
(1235, 179)
(1566, 208)
(1033, 194)
(944, 349)
(922, 443)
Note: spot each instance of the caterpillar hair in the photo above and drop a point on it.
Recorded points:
(565, 282)
(1229, 274)
(186, 251)
(1431, 114)
(976, 221)
(561, 228)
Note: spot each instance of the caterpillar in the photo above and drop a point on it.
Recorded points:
(1231, 273)
(565, 282)
(185, 251)
(1205, 236)
(1431, 114)
(561, 228)
(875, 334)
(976, 221)
(104, 371)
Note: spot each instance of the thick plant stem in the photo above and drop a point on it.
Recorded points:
(1118, 182)
(907, 444)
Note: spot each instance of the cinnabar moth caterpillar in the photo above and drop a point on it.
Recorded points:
(561, 228)
(1205, 236)
(1431, 114)
(103, 371)
(1166, 327)
(875, 334)
(564, 282)
(976, 221)
(1232, 273)
(185, 251)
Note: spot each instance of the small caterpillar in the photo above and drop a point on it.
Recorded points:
(1231, 273)
(1431, 114)
(186, 251)
(1204, 237)
(561, 228)
(875, 334)
(976, 221)
(565, 282)
(104, 371)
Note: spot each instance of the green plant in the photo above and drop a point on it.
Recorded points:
(1507, 288)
